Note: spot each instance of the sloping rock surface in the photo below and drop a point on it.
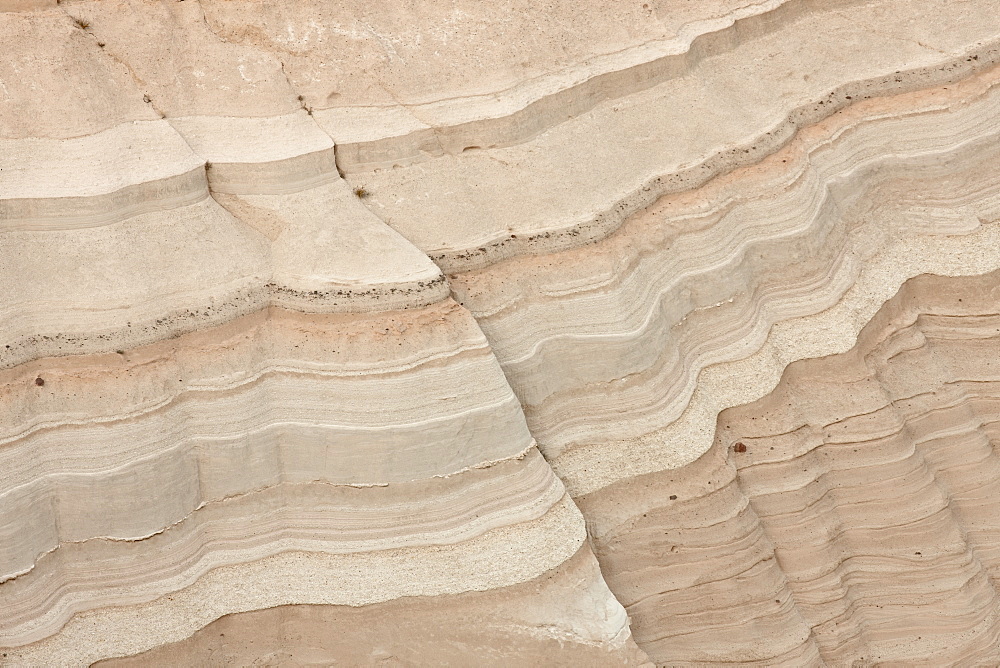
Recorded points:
(578, 334)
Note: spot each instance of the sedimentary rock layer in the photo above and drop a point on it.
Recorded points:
(494, 627)
(787, 259)
(581, 178)
(847, 516)
(151, 471)
(292, 290)
(229, 386)
(351, 458)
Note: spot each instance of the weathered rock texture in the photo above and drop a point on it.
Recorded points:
(349, 333)
(849, 515)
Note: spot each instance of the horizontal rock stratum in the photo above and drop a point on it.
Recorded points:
(450, 333)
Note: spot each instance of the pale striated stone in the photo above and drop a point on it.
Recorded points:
(573, 333)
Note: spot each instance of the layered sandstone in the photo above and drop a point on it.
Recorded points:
(329, 316)
(849, 515)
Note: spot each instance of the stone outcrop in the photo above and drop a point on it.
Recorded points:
(847, 516)
(579, 334)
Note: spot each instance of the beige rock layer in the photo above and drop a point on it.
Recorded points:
(579, 180)
(266, 400)
(431, 79)
(624, 351)
(239, 408)
(848, 516)
(322, 452)
(499, 626)
(272, 398)
(150, 174)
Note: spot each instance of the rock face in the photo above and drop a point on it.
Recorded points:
(847, 516)
(468, 334)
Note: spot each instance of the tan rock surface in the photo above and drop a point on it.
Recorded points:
(498, 626)
(847, 516)
(347, 333)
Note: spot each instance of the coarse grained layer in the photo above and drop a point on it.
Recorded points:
(97, 573)
(498, 558)
(510, 626)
